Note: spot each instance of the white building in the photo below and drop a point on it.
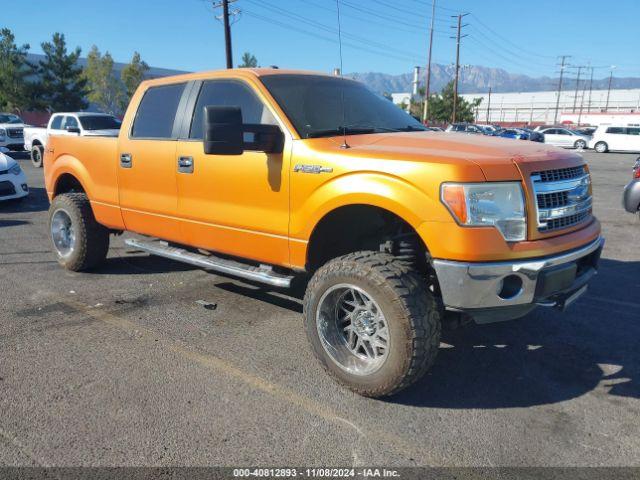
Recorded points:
(540, 107)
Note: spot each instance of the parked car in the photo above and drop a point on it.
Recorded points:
(11, 131)
(464, 128)
(68, 123)
(533, 135)
(563, 137)
(513, 133)
(631, 195)
(616, 138)
(13, 181)
(268, 178)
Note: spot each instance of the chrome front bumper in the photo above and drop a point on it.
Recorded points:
(503, 290)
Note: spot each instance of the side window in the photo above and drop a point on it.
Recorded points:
(230, 93)
(69, 122)
(615, 130)
(56, 124)
(633, 131)
(157, 112)
(562, 132)
(551, 131)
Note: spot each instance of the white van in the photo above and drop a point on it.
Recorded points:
(618, 138)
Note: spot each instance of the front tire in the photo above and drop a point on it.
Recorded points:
(372, 323)
(580, 145)
(36, 156)
(601, 147)
(79, 241)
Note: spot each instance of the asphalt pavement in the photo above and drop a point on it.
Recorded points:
(151, 362)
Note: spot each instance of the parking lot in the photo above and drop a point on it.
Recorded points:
(150, 362)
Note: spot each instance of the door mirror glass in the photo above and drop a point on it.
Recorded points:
(263, 138)
(223, 132)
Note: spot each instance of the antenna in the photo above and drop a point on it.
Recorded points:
(344, 121)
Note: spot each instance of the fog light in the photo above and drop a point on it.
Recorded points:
(510, 287)
(24, 187)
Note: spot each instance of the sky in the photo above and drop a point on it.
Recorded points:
(388, 36)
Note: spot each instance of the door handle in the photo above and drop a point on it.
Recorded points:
(125, 160)
(185, 164)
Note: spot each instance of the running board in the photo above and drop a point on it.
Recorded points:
(262, 274)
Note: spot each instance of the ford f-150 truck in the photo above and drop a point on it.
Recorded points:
(273, 176)
(68, 123)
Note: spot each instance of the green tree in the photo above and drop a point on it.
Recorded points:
(441, 106)
(61, 84)
(16, 92)
(105, 89)
(248, 61)
(132, 74)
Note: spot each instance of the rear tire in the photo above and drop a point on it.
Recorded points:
(580, 144)
(36, 156)
(601, 147)
(396, 322)
(80, 243)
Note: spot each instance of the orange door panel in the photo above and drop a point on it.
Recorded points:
(237, 205)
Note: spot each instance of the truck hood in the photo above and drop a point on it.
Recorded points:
(112, 132)
(498, 158)
(12, 125)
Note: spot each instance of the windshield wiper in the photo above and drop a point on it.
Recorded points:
(340, 131)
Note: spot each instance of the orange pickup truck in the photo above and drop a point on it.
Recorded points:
(270, 175)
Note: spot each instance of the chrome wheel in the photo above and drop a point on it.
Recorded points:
(581, 144)
(62, 233)
(601, 147)
(352, 329)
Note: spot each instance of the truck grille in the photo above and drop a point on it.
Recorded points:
(14, 132)
(563, 197)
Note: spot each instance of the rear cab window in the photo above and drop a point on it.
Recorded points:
(56, 123)
(156, 113)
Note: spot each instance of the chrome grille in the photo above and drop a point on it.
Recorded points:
(14, 132)
(563, 198)
(560, 174)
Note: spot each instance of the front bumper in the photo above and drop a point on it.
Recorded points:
(13, 186)
(631, 196)
(15, 144)
(496, 291)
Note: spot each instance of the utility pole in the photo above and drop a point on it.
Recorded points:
(584, 94)
(606, 107)
(427, 86)
(590, 90)
(562, 65)
(458, 37)
(227, 33)
(488, 105)
(575, 99)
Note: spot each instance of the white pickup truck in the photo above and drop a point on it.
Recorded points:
(68, 123)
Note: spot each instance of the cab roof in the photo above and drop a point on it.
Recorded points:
(230, 73)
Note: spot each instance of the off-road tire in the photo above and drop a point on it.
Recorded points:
(601, 147)
(92, 239)
(412, 312)
(36, 156)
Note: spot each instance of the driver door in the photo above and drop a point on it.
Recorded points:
(234, 204)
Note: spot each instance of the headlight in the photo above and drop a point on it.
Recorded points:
(16, 170)
(3, 133)
(497, 204)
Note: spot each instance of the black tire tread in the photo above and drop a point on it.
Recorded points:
(92, 238)
(419, 305)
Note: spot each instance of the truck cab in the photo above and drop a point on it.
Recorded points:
(284, 177)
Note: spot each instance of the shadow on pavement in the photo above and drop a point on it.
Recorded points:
(13, 223)
(36, 201)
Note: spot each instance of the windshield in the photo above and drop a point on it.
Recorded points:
(99, 122)
(10, 119)
(313, 104)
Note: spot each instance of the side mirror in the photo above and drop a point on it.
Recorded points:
(266, 138)
(223, 132)
(73, 130)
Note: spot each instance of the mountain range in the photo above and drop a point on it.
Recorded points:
(478, 79)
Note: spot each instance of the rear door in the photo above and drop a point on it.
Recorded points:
(146, 164)
(616, 138)
(633, 139)
(552, 137)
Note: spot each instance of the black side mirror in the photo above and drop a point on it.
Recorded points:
(266, 138)
(72, 129)
(223, 132)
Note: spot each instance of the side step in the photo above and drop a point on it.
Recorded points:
(262, 274)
